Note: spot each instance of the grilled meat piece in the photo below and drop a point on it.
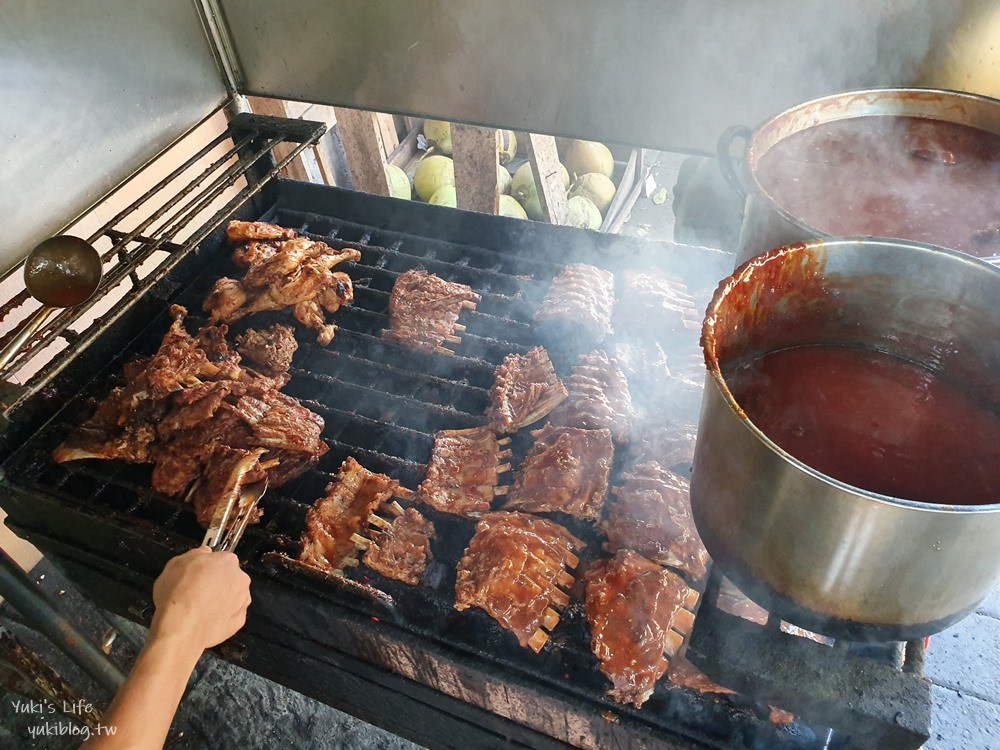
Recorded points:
(651, 514)
(227, 472)
(244, 231)
(401, 550)
(341, 513)
(190, 406)
(284, 271)
(598, 399)
(638, 614)
(667, 444)
(515, 568)
(566, 471)
(655, 306)
(272, 349)
(462, 472)
(525, 389)
(424, 310)
(646, 369)
(582, 295)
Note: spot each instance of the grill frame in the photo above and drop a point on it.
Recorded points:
(108, 554)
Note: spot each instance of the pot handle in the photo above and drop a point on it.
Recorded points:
(724, 155)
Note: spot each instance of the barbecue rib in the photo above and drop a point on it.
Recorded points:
(193, 411)
(271, 349)
(515, 568)
(401, 548)
(638, 614)
(581, 296)
(328, 540)
(656, 306)
(667, 444)
(284, 271)
(226, 473)
(566, 471)
(424, 310)
(651, 514)
(598, 398)
(525, 389)
(462, 472)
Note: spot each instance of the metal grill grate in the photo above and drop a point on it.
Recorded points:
(382, 404)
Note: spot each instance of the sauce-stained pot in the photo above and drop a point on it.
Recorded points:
(915, 164)
(818, 552)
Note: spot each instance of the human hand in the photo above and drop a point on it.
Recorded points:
(201, 596)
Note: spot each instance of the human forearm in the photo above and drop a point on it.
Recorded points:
(141, 713)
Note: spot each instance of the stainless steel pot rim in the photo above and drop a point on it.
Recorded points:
(751, 176)
(712, 364)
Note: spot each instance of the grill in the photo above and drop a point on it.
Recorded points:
(407, 661)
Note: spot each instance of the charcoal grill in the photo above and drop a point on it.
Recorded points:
(406, 661)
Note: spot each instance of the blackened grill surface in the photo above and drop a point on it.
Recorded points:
(382, 404)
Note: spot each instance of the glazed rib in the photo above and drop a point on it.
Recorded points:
(402, 548)
(226, 473)
(599, 398)
(424, 310)
(638, 614)
(342, 513)
(651, 514)
(566, 471)
(462, 473)
(582, 295)
(656, 306)
(525, 389)
(515, 568)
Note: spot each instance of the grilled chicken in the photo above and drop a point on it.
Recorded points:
(283, 271)
(651, 514)
(402, 547)
(581, 296)
(462, 473)
(566, 471)
(515, 568)
(599, 398)
(244, 231)
(341, 514)
(424, 310)
(638, 614)
(191, 406)
(525, 389)
(271, 349)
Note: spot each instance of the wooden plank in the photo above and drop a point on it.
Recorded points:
(365, 151)
(475, 153)
(551, 190)
(326, 168)
(295, 170)
(387, 127)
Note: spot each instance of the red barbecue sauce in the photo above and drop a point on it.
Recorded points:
(886, 176)
(874, 421)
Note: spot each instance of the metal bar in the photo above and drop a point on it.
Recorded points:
(40, 612)
(62, 359)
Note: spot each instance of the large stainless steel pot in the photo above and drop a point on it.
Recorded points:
(766, 223)
(820, 553)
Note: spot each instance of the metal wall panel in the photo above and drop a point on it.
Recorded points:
(89, 92)
(661, 73)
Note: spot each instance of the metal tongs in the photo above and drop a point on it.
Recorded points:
(223, 536)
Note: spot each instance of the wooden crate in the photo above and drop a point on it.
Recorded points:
(628, 174)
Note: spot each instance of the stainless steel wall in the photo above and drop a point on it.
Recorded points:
(90, 91)
(661, 73)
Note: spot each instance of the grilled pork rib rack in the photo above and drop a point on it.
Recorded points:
(651, 514)
(639, 615)
(599, 398)
(424, 310)
(283, 271)
(515, 568)
(581, 297)
(463, 471)
(400, 548)
(566, 471)
(525, 389)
